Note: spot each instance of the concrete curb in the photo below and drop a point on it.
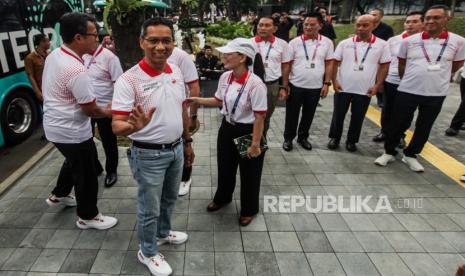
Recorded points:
(7, 183)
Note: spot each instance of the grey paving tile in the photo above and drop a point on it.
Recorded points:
(261, 263)
(386, 222)
(50, 260)
(5, 253)
(325, 264)
(447, 205)
(199, 263)
(344, 242)
(21, 259)
(200, 241)
(132, 266)
(108, 261)
(314, 242)
(256, 242)
(422, 264)
(125, 222)
(357, 264)
(258, 224)
(449, 262)
(227, 241)
(12, 237)
(373, 242)
(90, 239)
(117, 240)
(458, 219)
(63, 239)
(440, 222)
(305, 222)
(359, 222)
(12, 273)
(37, 238)
(456, 239)
(403, 242)
(285, 242)
(293, 264)
(280, 222)
(79, 261)
(433, 242)
(225, 223)
(200, 222)
(332, 222)
(176, 261)
(413, 222)
(230, 263)
(389, 264)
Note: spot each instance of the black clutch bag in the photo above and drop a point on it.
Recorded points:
(243, 143)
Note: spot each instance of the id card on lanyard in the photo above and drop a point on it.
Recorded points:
(434, 66)
(265, 63)
(357, 66)
(311, 65)
(236, 102)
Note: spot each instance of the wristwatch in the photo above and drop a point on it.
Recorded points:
(328, 83)
(188, 140)
(285, 88)
(194, 116)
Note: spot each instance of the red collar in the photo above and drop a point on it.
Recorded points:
(97, 51)
(444, 35)
(371, 40)
(404, 35)
(71, 53)
(241, 79)
(304, 37)
(259, 39)
(152, 71)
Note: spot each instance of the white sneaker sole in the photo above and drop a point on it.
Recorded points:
(53, 204)
(383, 164)
(413, 169)
(139, 257)
(161, 242)
(85, 226)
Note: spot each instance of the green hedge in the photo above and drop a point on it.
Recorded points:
(229, 30)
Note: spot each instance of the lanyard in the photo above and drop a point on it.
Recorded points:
(236, 102)
(366, 52)
(425, 53)
(267, 53)
(96, 53)
(316, 48)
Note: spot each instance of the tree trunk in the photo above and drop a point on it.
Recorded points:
(126, 38)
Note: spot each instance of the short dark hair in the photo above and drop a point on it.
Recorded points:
(207, 47)
(318, 9)
(381, 11)
(74, 23)
(38, 39)
(315, 15)
(275, 21)
(439, 6)
(155, 21)
(416, 13)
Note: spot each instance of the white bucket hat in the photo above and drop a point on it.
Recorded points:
(239, 45)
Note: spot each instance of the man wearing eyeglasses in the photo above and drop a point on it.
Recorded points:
(148, 107)
(68, 105)
(426, 62)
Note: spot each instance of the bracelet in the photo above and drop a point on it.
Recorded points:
(188, 141)
(328, 83)
(194, 116)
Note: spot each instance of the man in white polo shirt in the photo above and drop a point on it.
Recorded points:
(148, 107)
(191, 80)
(104, 68)
(310, 77)
(426, 61)
(413, 24)
(363, 62)
(276, 57)
(68, 104)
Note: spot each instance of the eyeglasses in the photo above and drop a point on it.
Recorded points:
(156, 41)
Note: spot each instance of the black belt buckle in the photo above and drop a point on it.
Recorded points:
(176, 143)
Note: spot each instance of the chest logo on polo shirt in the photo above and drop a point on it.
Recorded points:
(150, 85)
(173, 81)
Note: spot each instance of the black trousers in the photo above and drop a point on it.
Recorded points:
(358, 107)
(459, 117)
(305, 99)
(78, 171)
(228, 161)
(405, 106)
(110, 145)
(389, 96)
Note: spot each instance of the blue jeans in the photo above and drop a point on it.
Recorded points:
(158, 175)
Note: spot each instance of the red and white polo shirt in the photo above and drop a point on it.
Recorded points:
(104, 69)
(184, 61)
(253, 98)
(394, 45)
(350, 53)
(65, 87)
(418, 78)
(308, 63)
(143, 85)
(274, 52)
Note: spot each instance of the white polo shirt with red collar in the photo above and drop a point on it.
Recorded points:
(66, 86)
(419, 78)
(104, 69)
(253, 98)
(145, 86)
(184, 61)
(308, 63)
(274, 52)
(394, 46)
(350, 53)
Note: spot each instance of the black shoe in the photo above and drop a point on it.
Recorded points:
(351, 146)
(305, 144)
(287, 145)
(402, 144)
(110, 179)
(462, 127)
(380, 137)
(333, 143)
(451, 132)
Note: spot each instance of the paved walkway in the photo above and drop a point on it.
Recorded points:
(37, 240)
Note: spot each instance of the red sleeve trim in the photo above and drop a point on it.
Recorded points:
(401, 58)
(381, 63)
(287, 62)
(337, 59)
(330, 59)
(119, 112)
(193, 81)
(459, 60)
(216, 98)
(260, 111)
(89, 103)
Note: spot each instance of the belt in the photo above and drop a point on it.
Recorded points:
(271, 82)
(144, 145)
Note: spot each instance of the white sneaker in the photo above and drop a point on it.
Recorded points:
(100, 222)
(156, 264)
(384, 159)
(54, 201)
(462, 178)
(413, 164)
(184, 187)
(175, 237)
